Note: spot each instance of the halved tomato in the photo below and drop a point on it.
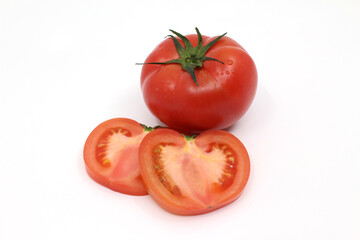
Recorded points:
(193, 175)
(111, 155)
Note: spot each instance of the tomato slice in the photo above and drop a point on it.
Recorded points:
(111, 155)
(193, 175)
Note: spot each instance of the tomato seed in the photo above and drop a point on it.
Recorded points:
(157, 150)
(162, 179)
(106, 162)
(228, 175)
(230, 166)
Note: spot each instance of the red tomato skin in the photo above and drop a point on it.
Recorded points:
(136, 187)
(184, 206)
(224, 94)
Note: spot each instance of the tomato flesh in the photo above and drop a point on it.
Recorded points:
(193, 176)
(111, 155)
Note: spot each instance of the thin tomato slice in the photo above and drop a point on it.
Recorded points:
(111, 155)
(193, 175)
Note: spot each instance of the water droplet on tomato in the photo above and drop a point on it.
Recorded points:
(227, 72)
(217, 74)
(229, 62)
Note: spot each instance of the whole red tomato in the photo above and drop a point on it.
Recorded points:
(194, 83)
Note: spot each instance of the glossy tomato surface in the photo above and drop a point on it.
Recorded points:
(193, 176)
(223, 95)
(111, 155)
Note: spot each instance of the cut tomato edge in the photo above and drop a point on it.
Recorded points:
(115, 187)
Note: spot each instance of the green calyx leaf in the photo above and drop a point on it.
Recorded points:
(189, 137)
(190, 57)
(149, 129)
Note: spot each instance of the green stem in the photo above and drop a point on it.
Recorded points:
(149, 129)
(190, 57)
(189, 138)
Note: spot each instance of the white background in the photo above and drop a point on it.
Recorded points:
(66, 66)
